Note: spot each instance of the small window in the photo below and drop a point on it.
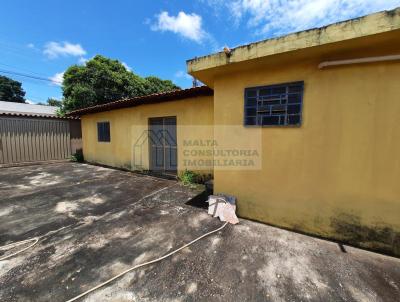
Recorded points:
(275, 105)
(103, 131)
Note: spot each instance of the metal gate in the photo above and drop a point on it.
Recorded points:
(29, 139)
(162, 145)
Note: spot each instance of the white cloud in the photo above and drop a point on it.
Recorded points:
(82, 60)
(182, 74)
(276, 17)
(57, 79)
(32, 46)
(29, 102)
(126, 66)
(188, 26)
(54, 50)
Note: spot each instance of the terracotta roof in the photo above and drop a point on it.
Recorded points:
(147, 99)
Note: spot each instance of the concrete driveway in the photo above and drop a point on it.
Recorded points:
(100, 222)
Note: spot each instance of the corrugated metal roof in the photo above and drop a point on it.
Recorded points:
(10, 114)
(147, 99)
(26, 109)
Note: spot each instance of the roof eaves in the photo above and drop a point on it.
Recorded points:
(33, 115)
(147, 99)
(350, 29)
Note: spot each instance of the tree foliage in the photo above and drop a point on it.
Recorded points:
(157, 85)
(102, 80)
(54, 102)
(11, 91)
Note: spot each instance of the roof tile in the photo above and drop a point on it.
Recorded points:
(147, 99)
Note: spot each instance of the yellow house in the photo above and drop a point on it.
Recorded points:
(147, 133)
(303, 129)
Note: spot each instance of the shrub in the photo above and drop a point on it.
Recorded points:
(77, 156)
(189, 177)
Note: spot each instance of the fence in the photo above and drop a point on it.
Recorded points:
(37, 139)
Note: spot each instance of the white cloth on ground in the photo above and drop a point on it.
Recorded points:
(218, 206)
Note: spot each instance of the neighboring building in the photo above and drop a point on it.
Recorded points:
(32, 133)
(20, 109)
(320, 107)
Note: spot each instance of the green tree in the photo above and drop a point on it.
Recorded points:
(11, 91)
(54, 102)
(103, 80)
(156, 85)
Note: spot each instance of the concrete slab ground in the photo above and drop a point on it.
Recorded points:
(100, 222)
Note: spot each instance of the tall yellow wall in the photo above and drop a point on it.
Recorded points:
(338, 175)
(128, 128)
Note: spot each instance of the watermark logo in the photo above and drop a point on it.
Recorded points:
(211, 154)
(155, 150)
(199, 148)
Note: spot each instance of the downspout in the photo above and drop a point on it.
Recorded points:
(359, 61)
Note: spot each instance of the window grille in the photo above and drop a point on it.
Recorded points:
(103, 131)
(274, 105)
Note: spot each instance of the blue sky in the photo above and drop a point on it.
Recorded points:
(43, 37)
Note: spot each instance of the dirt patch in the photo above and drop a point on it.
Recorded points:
(110, 220)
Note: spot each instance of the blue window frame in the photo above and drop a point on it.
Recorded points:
(274, 105)
(103, 131)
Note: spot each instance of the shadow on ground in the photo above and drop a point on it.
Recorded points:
(106, 221)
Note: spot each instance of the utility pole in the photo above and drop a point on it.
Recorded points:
(195, 82)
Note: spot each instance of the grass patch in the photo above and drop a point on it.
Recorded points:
(188, 177)
(78, 156)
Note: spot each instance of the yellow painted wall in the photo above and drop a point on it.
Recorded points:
(338, 175)
(129, 146)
